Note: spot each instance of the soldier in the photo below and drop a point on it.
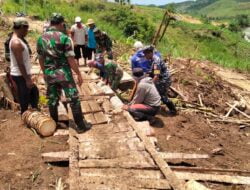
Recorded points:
(56, 58)
(160, 75)
(111, 72)
(104, 43)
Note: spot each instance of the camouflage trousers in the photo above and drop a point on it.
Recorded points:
(162, 87)
(116, 80)
(54, 92)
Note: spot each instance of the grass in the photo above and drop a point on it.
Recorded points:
(182, 39)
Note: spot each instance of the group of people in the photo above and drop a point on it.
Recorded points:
(59, 52)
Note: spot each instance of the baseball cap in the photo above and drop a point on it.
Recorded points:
(138, 45)
(20, 21)
(137, 72)
(78, 19)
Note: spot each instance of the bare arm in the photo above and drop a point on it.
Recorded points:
(17, 50)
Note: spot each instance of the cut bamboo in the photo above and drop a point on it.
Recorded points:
(42, 123)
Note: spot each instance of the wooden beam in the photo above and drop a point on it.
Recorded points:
(174, 155)
(174, 182)
(56, 156)
(214, 178)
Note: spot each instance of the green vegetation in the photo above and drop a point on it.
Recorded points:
(126, 23)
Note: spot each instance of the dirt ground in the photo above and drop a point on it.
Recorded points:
(21, 165)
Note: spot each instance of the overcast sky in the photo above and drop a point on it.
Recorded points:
(156, 2)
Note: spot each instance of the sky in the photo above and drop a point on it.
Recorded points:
(156, 2)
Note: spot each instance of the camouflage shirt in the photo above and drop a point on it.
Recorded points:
(103, 43)
(54, 46)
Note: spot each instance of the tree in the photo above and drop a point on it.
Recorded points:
(122, 2)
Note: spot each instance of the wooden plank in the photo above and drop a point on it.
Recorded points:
(209, 170)
(122, 173)
(74, 172)
(174, 182)
(90, 118)
(98, 150)
(193, 185)
(85, 89)
(124, 127)
(139, 160)
(94, 106)
(100, 118)
(214, 178)
(61, 132)
(89, 137)
(107, 107)
(118, 183)
(85, 107)
(94, 90)
(174, 155)
(56, 156)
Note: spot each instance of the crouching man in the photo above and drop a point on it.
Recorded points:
(146, 101)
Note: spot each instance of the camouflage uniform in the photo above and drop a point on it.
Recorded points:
(113, 73)
(55, 47)
(104, 43)
(159, 68)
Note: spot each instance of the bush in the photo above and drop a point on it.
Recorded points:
(131, 24)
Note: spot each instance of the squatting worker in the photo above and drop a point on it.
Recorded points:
(146, 101)
(20, 65)
(56, 58)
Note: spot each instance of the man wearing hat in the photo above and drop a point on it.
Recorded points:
(79, 35)
(91, 38)
(20, 65)
(103, 42)
(161, 77)
(146, 101)
(56, 57)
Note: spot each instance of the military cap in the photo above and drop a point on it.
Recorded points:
(56, 18)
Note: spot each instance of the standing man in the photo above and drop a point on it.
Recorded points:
(20, 65)
(91, 38)
(56, 58)
(146, 101)
(160, 75)
(104, 43)
(79, 35)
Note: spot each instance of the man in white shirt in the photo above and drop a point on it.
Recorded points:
(79, 35)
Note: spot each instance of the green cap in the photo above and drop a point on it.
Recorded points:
(56, 18)
(20, 21)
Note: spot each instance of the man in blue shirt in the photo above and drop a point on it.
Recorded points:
(91, 47)
(160, 74)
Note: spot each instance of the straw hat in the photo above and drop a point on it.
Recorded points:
(90, 21)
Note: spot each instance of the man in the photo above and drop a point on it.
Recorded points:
(79, 36)
(111, 72)
(139, 60)
(91, 47)
(20, 66)
(146, 101)
(56, 58)
(160, 75)
(104, 43)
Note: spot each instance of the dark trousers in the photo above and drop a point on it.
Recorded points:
(26, 96)
(142, 112)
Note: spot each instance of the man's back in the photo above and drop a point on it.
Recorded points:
(55, 46)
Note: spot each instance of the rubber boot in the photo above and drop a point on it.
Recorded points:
(171, 107)
(53, 113)
(81, 124)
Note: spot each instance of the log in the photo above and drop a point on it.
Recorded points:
(193, 185)
(42, 123)
(56, 156)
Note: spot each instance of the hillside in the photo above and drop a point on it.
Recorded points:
(125, 24)
(215, 8)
